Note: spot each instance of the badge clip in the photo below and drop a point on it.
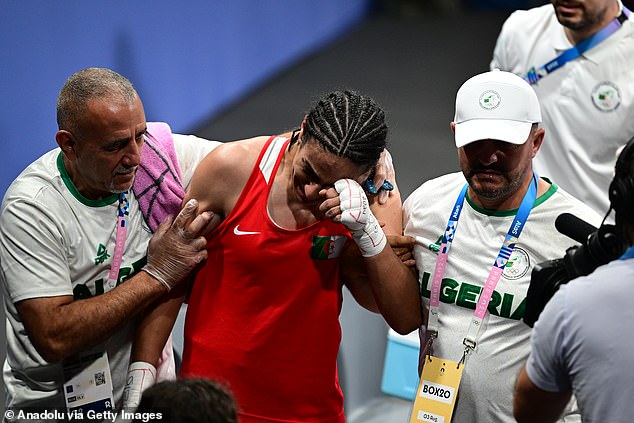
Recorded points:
(468, 347)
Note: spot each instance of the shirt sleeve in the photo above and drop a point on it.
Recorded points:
(190, 150)
(34, 263)
(546, 366)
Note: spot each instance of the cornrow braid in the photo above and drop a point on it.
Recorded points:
(349, 125)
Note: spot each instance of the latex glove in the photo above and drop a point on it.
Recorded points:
(177, 247)
(141, 375)
(358, 218)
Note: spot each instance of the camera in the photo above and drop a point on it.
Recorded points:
(599, 247)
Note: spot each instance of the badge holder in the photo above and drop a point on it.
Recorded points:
(88, 384)
(438, 388)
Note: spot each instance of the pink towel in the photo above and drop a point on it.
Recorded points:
(158, 184)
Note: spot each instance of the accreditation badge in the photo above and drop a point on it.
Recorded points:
(88, 383)
(436, 395)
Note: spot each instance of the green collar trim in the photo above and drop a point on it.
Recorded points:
(505, 213)
(73, 189)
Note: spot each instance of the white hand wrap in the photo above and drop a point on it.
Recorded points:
(141, 376)
(358, 218)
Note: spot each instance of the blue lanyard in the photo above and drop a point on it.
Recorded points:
(518, 224)
(629, 253)
(533, 75)
(452, 224)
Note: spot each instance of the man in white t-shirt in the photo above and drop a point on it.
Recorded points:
(497, 195)
(75, 265)
(587, 99)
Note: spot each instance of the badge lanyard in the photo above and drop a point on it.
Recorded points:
(440, 380)
(496, 270)
(88, 382)
(122, 232)
(578, 49)
(628, 254)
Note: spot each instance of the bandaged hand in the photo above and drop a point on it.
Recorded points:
(358, 218)
(141, 375)
(178, 247)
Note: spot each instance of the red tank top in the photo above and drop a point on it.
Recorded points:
(263, 315)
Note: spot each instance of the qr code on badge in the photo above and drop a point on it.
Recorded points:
(100, 378)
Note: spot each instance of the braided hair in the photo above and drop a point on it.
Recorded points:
(349, 125)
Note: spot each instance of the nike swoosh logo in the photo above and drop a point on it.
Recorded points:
(239, 232)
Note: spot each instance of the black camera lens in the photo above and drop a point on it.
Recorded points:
(601, 247)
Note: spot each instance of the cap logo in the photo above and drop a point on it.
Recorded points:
(489, 100)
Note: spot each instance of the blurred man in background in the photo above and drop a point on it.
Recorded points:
(586, 94)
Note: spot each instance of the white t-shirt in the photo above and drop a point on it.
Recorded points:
(587, 105)
(486, 389)
(54, 242)
(582, 341)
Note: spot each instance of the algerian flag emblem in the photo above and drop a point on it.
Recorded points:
(327, 247)
(606, 96)
(490, 99)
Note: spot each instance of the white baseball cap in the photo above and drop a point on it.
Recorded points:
(495, 105)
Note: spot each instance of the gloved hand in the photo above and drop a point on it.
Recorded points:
(141, 375)
(177, 247)
(358, 218)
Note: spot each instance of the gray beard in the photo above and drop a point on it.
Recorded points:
(501, 193)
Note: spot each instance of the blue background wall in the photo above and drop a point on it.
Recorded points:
(188, 59)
